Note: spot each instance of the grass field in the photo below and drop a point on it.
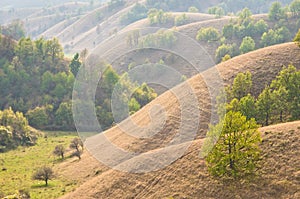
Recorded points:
(17, 167)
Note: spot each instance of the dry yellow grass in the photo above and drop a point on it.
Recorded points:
(187, 177)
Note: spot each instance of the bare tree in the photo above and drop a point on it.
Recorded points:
(77, 154)
(76, 144)
(43, 173)
(59, 151)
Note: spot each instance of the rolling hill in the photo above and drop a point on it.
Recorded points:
(187, 177)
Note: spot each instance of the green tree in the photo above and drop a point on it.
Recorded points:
(38, 117)
(242, 85)
(228, 31)
(144, 94)
(55, 51)
(236, 152)
(208, 34)
(64, 116)
(289, 79)
(226, 58)
(261, 26)
(284, 34)
(295, 7)
(247, 45)
(17, 124)
(216, 10)
(75, 64)
(15, 29)
(43, 173)
(138, 12)
(280, 103)
(247, 106)
(134, 105)
(297, 38)
(245, 16)
(5, 139)
(181, 20)
(156, 16)
(193, 9)
(269, 38)
(224, 49)
(264, 106)
(276, 12)
(162, 38)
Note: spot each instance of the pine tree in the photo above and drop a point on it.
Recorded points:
(235, 151)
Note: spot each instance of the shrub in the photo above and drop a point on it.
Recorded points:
(208, 34)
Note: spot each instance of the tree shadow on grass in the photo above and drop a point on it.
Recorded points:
(38, 186)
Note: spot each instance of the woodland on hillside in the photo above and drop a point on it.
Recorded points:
(38, 79)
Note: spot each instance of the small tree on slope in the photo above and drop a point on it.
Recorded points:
(236, 151)
(44, 173)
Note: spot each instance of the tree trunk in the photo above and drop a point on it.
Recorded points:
(46, 180)
(267, 119)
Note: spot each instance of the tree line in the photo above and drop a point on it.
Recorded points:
(231, 148)
(37, 80)
(252, 34)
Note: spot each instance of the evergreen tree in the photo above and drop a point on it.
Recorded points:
(235, 148)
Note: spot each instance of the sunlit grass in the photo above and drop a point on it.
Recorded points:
(17, 167)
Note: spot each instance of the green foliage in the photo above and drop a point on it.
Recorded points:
(295, 7)
(278, 102)
(264, 106)
(75, 64)
(64, 116)
(247, 45)
(5, 138)
(228, 31)
(224, 49)
(15, 29)
(208, 34)
(216, 10)
(261, 26)
(276, 12)
(288, 82)
(39, 117)
(162, 38)
(134, 105)
(156, 16)
(193, 9)
(297, 38)
(133, 38)
(235, 141)
(245, 16)
(181, 20)
(138, 12)
(15, 130)
(275, 37)
(241, 86)
(226, 58)
(144, 94)
(22, 162)
(125, 91)
(247, 106)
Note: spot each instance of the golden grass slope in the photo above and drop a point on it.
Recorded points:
(187, 177)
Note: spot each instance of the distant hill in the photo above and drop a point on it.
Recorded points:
(35, 3)
(187, 177)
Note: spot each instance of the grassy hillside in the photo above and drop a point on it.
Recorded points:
(17, 167)
(178, 181)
